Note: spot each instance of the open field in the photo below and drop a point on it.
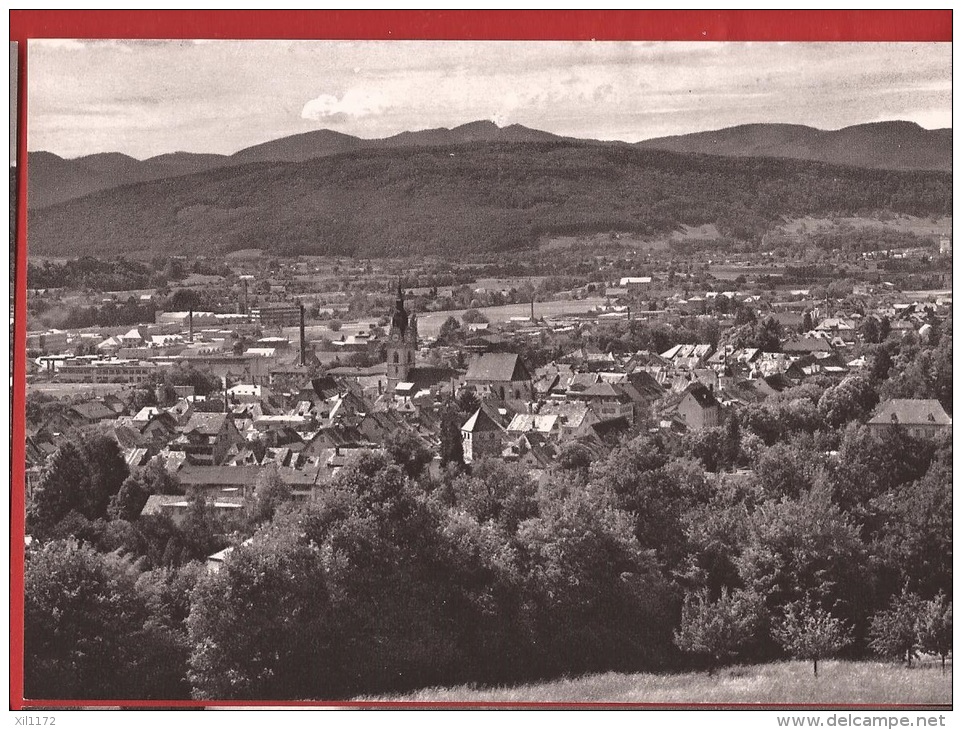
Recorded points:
(429, 323)
(587, 243)
(904, 223)
(71, 390)
(838, 683)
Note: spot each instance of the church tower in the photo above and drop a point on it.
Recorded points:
(402, 342)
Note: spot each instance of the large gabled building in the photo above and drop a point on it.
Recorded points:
(919, 417)
(500, 375)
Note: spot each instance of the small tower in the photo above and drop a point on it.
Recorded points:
(402, 342)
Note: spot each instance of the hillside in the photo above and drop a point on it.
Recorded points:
(884, 145)
(464, 199)
(53, 179)
(888, 145)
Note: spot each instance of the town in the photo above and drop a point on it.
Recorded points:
(217, 397)
(344, 384)
(218, 400)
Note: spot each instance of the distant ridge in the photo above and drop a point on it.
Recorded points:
(465, 199)
(882, 145)
(895, 145)
(324, 142)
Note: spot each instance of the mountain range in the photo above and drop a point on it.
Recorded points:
(464, 198)
(883, 145)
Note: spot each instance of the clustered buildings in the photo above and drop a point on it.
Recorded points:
(278, 410)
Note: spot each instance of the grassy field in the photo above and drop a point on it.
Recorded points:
(904, 223)
(792, 683)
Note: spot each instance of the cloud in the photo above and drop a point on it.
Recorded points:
(353, 104)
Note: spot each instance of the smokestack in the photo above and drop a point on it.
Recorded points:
(532, 307)
(190, 325)
(303, 343)
(244, 305)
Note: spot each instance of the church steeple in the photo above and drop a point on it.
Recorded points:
(399, 315)
(402, 341)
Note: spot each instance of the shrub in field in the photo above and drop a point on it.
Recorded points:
(894, 630)
(808, 631)
(934, 627)
(719, 629)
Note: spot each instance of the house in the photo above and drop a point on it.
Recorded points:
(920, 417)
(177, 507)
(500, 375)
(92, 412)
(523, 423)
(206, 438)
(805, 345)
(699, 408)
(576, 418)
(607, 400)
(481, 436)
(688, 357)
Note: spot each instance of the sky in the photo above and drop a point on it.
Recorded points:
(145, 98)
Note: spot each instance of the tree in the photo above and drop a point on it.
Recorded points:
(270, 492)
(719, 629)
(452, 450)
(106, 472)
(450, 331)
(768, 335)
(128, 503)
(853, 398)
(496, 491)
(408, 452)
(83, 623)
(575, 457)
(806, 546)
(592, 597)
(808, 631)
(871, 330)
(259, 627)
(893, 632)
(467, 402)
(935, 627)
(473, 316)
(58, 490)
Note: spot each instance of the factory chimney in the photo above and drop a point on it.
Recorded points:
(190, 325)
(303, 342)
(244, 305)
(532, 307)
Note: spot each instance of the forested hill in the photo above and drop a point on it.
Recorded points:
(884, 145)
(468, 198)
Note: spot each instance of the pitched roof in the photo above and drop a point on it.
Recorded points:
(93, 411)
(610, 432)
(207, 424)
(525, 422)
(498, 366)
(605, 390)
(912, 412)
(704, 397)
(480, 421)
(806, 344)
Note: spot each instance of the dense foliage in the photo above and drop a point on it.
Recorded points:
(470, 199)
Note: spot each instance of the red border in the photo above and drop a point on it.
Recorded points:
(666, 25)
(708, 25)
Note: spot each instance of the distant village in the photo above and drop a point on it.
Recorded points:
(279, 401)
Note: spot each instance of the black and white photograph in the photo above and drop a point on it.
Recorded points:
(487, 372)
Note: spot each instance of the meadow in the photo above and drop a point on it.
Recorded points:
(781, 683)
